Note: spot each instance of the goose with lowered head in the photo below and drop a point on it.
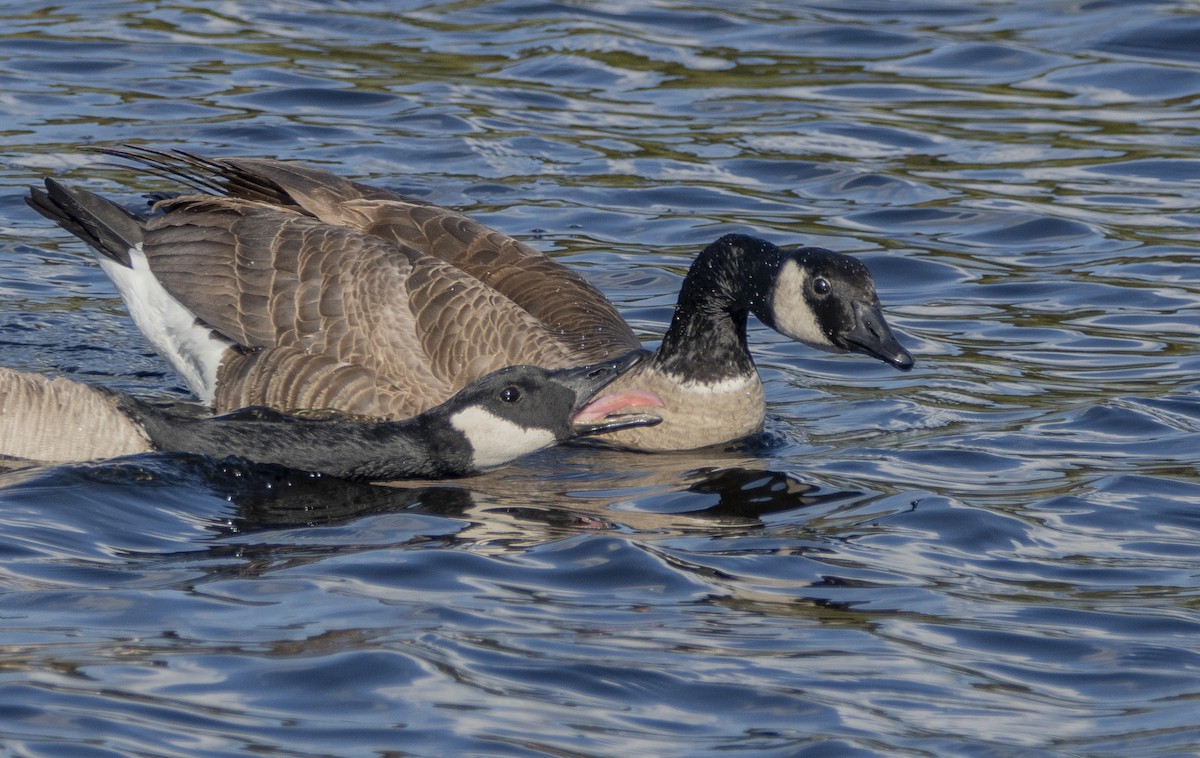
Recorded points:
(502, 416)
(273, 283)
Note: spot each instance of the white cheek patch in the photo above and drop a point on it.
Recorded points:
(193, 350)
(794, 317)
(496, 441)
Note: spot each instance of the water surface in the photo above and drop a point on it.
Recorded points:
(995, 554)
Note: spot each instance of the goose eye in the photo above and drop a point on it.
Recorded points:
(510, 394)
(821, 285)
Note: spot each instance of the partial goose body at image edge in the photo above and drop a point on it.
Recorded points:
(380, 305)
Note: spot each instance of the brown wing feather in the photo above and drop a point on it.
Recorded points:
(550, 292)
(554, 294)
(297, 381)
(558, 297)
(364, 309)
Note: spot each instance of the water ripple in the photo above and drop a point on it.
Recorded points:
(990, 555)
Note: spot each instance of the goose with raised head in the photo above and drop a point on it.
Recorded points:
(502, 416)
(277, 284)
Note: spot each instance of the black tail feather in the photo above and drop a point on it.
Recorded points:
(107, 227)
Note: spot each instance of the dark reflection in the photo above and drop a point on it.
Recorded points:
(299, 499)
(575, 489)
(264, 495)
(750, 494)
(268, 496)
(272, 496)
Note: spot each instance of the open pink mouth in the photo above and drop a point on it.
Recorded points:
(606, 405)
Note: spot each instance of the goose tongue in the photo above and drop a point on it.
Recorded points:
(601, 414)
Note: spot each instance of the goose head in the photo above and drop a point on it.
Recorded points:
(827, 300)
(522, 409)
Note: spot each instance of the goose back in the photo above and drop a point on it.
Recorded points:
(561, 300)
(373, 327)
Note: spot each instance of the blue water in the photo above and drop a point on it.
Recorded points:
(997, 554)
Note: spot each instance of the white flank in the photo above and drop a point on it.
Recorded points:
(193, 350)
(793, 315)
(496, 441)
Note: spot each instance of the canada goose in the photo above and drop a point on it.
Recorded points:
(277, 284)
(506, 414)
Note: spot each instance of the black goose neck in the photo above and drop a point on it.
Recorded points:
(424, 446)
(730, 279)
(393, 450)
